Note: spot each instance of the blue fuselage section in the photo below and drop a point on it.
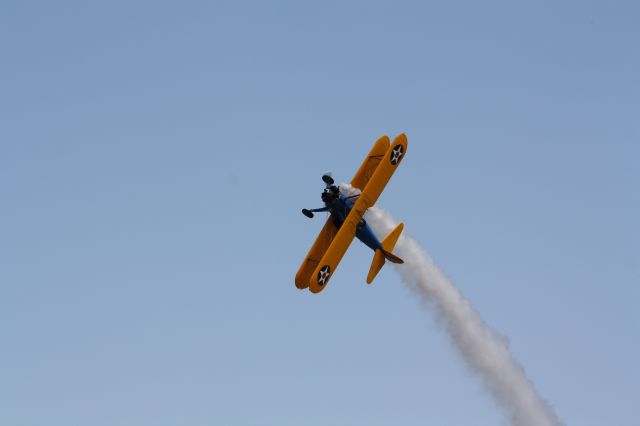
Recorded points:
(340, 208)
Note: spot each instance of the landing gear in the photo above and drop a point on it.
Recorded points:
(308, 213)
(327, 179)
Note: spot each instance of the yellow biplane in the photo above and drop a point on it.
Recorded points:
(346, 218)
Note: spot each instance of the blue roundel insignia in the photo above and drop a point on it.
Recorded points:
(323, 274)
(396, 154)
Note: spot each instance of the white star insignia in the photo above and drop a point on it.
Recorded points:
(397, 153)
(323, 275)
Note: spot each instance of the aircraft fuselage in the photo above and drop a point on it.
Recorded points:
(340, 208)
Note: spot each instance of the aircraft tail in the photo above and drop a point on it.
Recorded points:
(388, 243)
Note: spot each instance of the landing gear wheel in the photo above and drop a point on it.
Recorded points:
(308, 213)
(327, 179)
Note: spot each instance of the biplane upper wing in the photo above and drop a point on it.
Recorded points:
(318, 249)
(372, 190)
(370, 163)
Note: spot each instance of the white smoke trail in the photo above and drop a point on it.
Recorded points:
(485, 351)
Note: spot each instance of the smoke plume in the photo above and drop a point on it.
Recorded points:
(485, 351)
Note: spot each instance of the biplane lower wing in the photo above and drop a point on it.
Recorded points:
(318, 249)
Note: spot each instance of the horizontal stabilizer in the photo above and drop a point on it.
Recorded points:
(388, 243)
(376, 265)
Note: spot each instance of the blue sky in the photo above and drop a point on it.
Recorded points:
(154, 158)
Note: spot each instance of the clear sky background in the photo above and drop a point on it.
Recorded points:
(154, 158)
